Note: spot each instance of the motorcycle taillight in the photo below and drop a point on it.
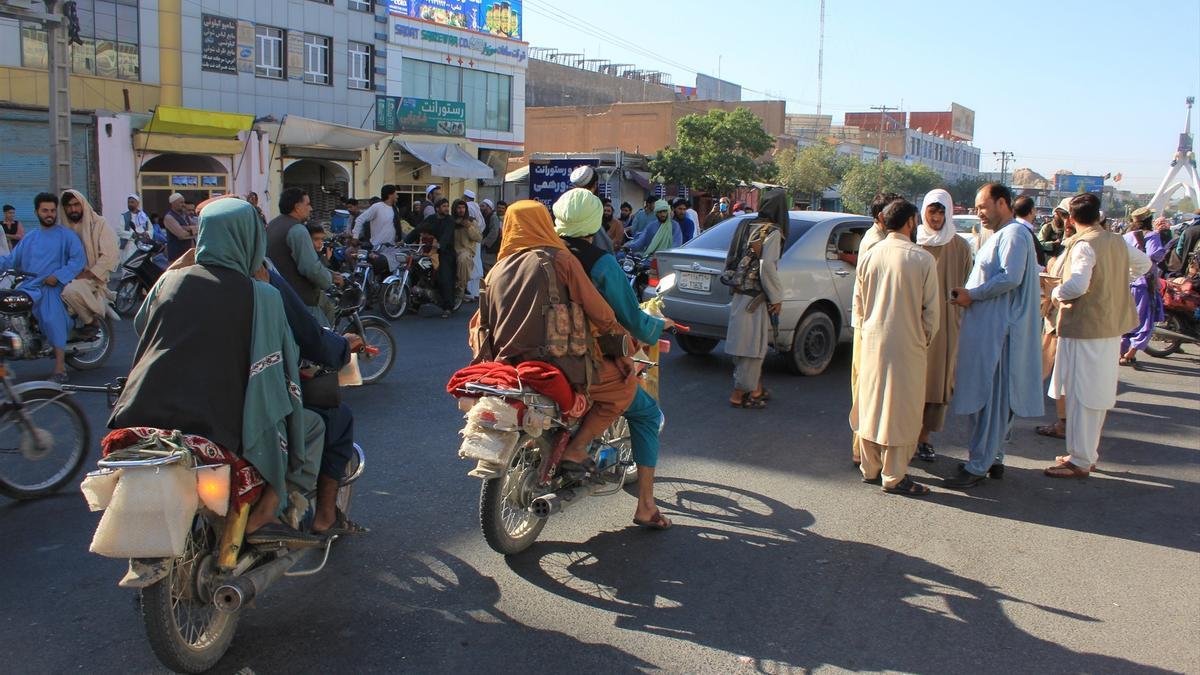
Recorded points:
(653, 275)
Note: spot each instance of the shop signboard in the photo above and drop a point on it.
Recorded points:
(501, 18)
(962, 122)
(549, 179)
(218, 43)
(1076, 184)
(467, 47)
(410, 115)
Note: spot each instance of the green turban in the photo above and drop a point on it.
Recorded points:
(662, 205)
(577, 213)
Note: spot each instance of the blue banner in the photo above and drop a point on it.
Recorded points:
(501, 18)
(549, 179)
(1066, 183)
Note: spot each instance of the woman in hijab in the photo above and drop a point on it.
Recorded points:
(937, 235)
(758, 293)
(577, 219)
(510, 326)
(215, 358)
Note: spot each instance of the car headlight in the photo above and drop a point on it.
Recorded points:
(666, 283)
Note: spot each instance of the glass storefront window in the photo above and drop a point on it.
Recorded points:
(83, 57)
(33, 46)
(111, 39)
(106, 58)
(488, 96)
(128, 62)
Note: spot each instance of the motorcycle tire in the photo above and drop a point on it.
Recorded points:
(129, 298)
(1164, 347)
(189, 648)
(394, 300)
(95, 357)
(617, 435)
(493, 504)
(377, 333)
(39, 403)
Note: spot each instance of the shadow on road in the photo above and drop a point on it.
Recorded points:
(758, 583)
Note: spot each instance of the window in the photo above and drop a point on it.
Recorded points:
(488, 96)
(268, 52)
(110, 33)
(317, 59)
(34, 52)
(359, 70)
(362, 5)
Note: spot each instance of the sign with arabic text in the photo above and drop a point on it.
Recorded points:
(549, 179)
(420, 116)
(466, 47)
(218, 43)
(501, 18)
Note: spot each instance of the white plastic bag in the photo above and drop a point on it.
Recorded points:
(98, 487)
(150, 513)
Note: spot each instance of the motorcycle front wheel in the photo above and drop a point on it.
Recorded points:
(92, 354)
(129, 297)
(395, 300)
(39, 458)
(1162, 347)
(186, 630)
(377, 333)
(508, 525)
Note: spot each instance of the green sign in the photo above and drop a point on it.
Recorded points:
(420, 116)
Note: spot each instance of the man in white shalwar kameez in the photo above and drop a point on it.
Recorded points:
(475, 212)
(1097, 309)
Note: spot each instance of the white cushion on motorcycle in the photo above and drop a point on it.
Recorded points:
(150, 513)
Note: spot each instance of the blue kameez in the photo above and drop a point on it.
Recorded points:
(1000, 345)
(643, 414)
(48, 251)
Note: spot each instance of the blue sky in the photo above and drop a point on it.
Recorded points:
(1090, 86)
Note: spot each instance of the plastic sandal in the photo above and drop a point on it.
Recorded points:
(907, 488)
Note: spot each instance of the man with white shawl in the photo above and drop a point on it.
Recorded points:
(475, 212)
(87, 295)
(936, 234)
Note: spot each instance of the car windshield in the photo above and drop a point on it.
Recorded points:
(718, 236)
(966, 223)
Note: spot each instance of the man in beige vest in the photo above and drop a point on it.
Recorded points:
(1097, 309)
(875, 234)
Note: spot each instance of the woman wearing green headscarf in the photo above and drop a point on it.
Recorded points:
(215, 358)
(665, 235)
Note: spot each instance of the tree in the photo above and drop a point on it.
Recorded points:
(919, 179)
(812, 170)
(716, 152)
(1185, 205)
(861, 183)
(963, 191)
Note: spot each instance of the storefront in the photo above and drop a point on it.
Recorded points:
(24, 171)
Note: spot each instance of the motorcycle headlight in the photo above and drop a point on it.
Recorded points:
(145, 247)
(627, 266)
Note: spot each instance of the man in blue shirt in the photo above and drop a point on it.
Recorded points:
(664, 234)
(686, 226)
(643, 218)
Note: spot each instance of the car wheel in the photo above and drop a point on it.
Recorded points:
(696, 345)
(813, 345)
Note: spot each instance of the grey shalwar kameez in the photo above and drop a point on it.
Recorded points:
(749, 334)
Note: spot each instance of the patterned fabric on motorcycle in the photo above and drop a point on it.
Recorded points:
(247, 481)
(539, 376)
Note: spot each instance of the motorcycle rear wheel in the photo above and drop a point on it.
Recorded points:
(377, 333)
(1164, 347)
(508, 526)
(187, 632)
(129, 298)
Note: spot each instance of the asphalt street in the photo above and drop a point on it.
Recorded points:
(781, 559)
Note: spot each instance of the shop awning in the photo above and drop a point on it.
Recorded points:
(191, 122)
(447, 160)
(517, 175)
(642, 179)
(306, 133)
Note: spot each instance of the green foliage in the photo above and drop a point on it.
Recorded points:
(963, 191)
(716, 152)
(1185, 205)
(812, 170)
(862, 183)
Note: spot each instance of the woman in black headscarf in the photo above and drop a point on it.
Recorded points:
(752, 267)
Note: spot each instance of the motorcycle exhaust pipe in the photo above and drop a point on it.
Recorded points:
(557, 502)
(240, 591)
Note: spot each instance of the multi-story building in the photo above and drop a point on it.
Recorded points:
(211, 96)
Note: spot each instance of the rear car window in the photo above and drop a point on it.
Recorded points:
(719, 236)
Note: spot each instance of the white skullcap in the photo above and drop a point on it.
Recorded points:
(468, 194)
(582, 177)
(431, 188)
(175, 197)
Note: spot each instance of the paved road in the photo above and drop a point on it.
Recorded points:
(781, 560)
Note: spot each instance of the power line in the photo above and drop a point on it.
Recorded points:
(1005, 157)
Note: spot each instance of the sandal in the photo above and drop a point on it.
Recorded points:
(1066, 459)
(1050, 430)
(907, 488)
(750, 403)
(1127, 362)
(1065, 470)
(342, 526)
(765, 395)
(656, 522)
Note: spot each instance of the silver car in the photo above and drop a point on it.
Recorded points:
(817, 270)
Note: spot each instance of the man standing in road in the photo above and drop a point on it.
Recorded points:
(1000, 346)
(1054, 231)
(719, 212)
(87, 295)
(290, 248)
(492, 229)
(896, 307)
(181, 232)
(679, 210)
(475, 212)
(643, 218)
(1096, 309)
(54, 256)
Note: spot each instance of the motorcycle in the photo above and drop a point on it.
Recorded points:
(414, 283)
(638, 269)
(193, 570)
(140, 272)
(379, 353)
(1181, 307)
(517, 437)
(16, 316)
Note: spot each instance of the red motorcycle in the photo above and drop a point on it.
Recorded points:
(1181, 305)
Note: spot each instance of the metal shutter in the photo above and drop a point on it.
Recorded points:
(25, 165)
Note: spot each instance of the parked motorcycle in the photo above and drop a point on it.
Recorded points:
(1181, 306)
(638, 269)
(413, 284)
(517, 437)
(380, 346)
(16, 316)
(139, 274)
(192, 568)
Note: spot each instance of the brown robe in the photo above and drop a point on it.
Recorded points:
(953, 267)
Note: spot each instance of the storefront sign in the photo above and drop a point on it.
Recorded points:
(245, 47)
(413, 33)
(420, 116)
(218, 43)
(550, 179)
(501, 18)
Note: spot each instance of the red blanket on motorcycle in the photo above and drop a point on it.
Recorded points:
(539, 376)
(247, 481)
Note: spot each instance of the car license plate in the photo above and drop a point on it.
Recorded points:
(693, 281)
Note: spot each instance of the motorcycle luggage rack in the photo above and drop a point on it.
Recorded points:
(151, 458)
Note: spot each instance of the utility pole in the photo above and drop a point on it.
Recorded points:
(58, 66)
(820, 64)
(883, 111)
(1005, 157)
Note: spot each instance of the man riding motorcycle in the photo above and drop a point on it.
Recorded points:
(577, 218)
